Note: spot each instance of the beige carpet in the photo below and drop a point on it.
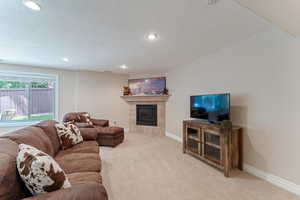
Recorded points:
(149, 167)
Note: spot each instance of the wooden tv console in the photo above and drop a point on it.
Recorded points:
(217, 145)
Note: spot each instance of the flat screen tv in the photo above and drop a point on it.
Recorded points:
(213, 107)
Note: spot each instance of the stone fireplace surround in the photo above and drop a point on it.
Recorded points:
(159, 100)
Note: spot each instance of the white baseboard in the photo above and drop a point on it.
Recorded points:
(278, 181)
(174, 137)
(275, 180)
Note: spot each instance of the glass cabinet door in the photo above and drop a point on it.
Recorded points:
(193, 140)
(212, 148)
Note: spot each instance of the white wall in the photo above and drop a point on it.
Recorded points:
(95, 92)
(99, 94)
(262, 75)
(147, 75)
(285, 13)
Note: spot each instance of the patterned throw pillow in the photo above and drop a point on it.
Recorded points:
(74, 130)
(86, 118)
(39, 171)
(69, 135)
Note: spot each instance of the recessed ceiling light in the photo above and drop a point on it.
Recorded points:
(65, 59)
(152, 37)
(32, 5)
(123, 67)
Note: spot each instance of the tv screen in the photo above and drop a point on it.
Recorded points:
(212, 107)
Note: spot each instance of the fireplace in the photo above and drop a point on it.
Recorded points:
(159, 101)
(146, 115)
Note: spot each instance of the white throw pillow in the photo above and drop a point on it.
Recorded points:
(39, 171)
(69, 135)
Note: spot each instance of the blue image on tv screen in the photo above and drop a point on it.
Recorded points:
(215, 107)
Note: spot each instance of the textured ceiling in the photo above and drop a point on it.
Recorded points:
(101, 35)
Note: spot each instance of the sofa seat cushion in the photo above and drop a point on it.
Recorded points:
(84, 147)
(79, 162)
(85, 178)
(78, 192)
(89, 133)
(83, 125)
(100, 122)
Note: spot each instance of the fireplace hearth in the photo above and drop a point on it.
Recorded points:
(146, 115)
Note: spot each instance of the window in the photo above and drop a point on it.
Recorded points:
(27, 98)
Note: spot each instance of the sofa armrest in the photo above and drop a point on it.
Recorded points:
(100, 122)
(89, 133)
(79, 192)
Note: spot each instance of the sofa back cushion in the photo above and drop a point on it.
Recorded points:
(48, 127)
(33, 136)
(11, 185)
(76, 117)
(71, 117)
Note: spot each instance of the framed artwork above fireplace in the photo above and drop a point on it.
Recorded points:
(147, 86)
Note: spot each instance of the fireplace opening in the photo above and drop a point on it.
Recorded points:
(146, 115)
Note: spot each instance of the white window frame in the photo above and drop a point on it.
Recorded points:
(33, 75)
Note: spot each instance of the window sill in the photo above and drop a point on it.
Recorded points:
(18, 124)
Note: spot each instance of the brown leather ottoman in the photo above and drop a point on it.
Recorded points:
(110, 136)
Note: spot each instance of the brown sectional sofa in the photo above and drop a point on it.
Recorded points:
(81, 163)
(107, 136)
(75, 116)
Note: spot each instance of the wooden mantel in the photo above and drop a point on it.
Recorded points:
(143, 98)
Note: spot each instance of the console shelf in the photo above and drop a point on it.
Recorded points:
(217, 145)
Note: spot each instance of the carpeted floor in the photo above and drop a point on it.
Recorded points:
(147, 167)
